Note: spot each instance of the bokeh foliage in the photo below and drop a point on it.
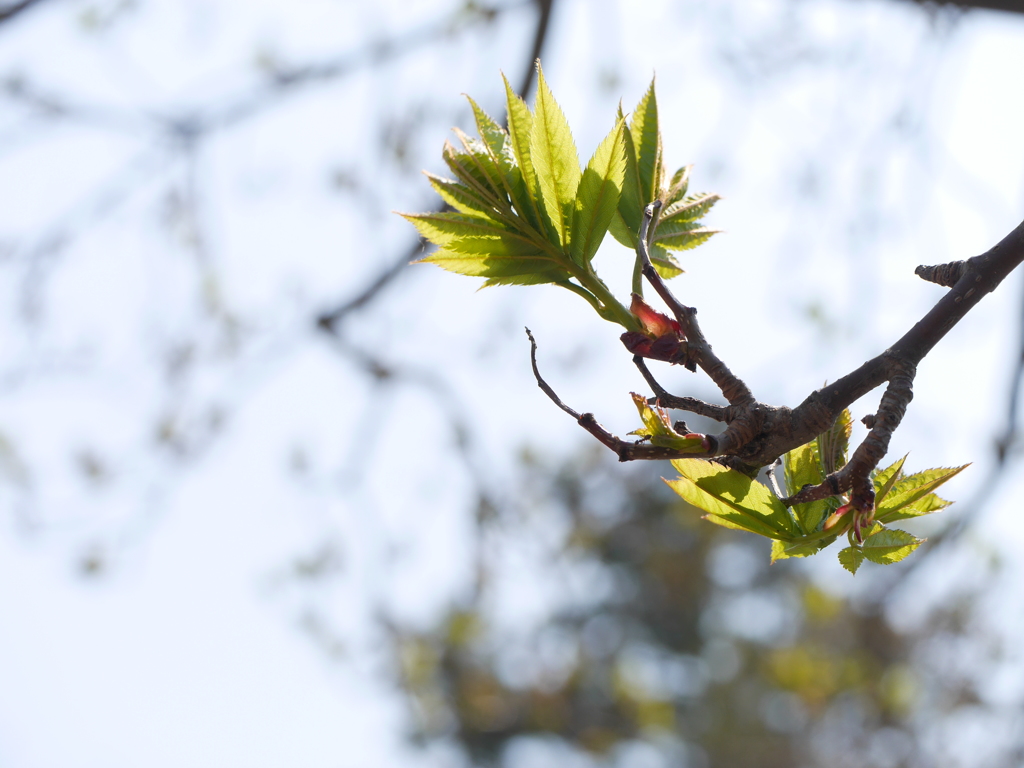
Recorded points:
(682, 641)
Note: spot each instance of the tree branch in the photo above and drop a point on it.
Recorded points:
(690, 404)
(758, 434)
(699, 351)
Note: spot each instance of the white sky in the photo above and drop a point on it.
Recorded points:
(190, 650)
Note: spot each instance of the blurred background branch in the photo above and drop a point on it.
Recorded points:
(228, 537)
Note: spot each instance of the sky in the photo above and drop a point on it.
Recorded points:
(169, 414)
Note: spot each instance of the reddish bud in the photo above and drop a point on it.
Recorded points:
(654, 322)
(837, 517)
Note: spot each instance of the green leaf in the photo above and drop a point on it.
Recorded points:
(851, 558)
(647, 142)
(834, 442)
(530, 278)
(499, 146)
(804, 546)
(732, 499)
(658, 428)
(598, 196)
(494, 137)
(525, 270)
(483, 163)
(887, 478)
(446, 228)
(923, 506)
(468, 170)
(665, 263)
(690, 209)
(690, 236)
(460, 197)
(913, 489)
(801, 467)
(625, 225)
(889, 545)
(520, 127)
(678, 186)
(554, 157)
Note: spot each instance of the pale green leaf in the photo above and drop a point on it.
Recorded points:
(686, 238)
(460, 197)
(598, 196)
(732, 496)
(658, 428)
(477, 153)
(678, 186)
(913, 488)
(446, 229)
(889, 545)
(804, 546)
(647, 143)
(554, 157)
(885, 479)
(499, 145)
(468, 171)
(494, 137)
(834, 442)
(497, 266)
(665, 263)
(690, 209)
(801, 467)
(620, 230)
(923, 506)
(626, 225)
(520, 127)
(851, 558)
(531, 278)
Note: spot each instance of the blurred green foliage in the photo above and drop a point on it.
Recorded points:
(678, 637)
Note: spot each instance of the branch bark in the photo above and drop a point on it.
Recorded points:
(757, 434)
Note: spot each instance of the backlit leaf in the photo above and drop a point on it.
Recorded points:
(923, 506)
(801, 467)
(678, 186)
(520, 127)
(804, 546)
(658, 428)
(554, 157)
(467, 170)
(496, 266)
(494, 137)
(851, 558)
(889, 545)
(690, 209)
(732, 497)
(598, 196)
(460, 197)
(446, 228)
(477, 155)
(665, 263)
(690, 236)
(914, 488)
(647, 143)
(885, 479)
(834, 442)
(626, 224)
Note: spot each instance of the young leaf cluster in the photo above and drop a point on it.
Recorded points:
(731, 499)
(523, 210)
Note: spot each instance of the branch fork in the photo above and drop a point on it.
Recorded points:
(757, 434)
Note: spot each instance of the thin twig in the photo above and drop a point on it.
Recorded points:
(626, 451)
(690, 404)
(734, 390)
